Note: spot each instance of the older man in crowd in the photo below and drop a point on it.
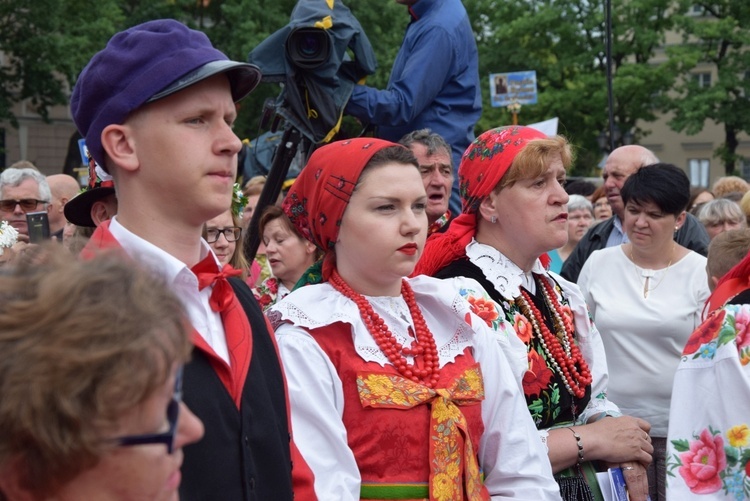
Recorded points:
(434, 156)
(620, 165)
(21, 191)
(62, 187)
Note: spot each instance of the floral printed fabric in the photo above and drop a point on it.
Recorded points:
(549, 402)
(266, 293)
(454, 467)
(488, 158)
(709, 433)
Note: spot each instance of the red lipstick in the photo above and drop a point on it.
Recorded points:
(408, 249)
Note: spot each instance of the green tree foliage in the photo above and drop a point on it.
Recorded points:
(45, 44)
(564, 42)
(714, 33)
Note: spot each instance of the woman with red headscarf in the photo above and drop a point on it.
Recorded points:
(399, 387)
(514, 211)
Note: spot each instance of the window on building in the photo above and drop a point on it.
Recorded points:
(696, 10)
(745, 168)
(703, 79)
(698, 169)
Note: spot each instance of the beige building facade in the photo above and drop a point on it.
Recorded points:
(694, 154)
(44, 144)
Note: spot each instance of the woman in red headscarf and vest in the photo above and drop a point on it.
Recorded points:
(399, 387)
(514, 212)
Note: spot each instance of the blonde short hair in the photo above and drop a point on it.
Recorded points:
(254, 185)
(729, 184)
(533, 160)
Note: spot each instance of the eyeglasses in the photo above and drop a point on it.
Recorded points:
(26, 204)
(232, 234)
(173, 414)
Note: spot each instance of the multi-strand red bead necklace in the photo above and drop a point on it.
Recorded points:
(426, 367)
(561, 349)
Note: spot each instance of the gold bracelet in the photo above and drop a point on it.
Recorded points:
(579, 442)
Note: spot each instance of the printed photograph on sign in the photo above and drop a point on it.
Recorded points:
(513, 88)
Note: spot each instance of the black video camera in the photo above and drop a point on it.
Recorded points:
(308, 48)
(311, 57)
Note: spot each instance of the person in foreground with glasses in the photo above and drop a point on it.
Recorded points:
(21, 191)
(90, 390)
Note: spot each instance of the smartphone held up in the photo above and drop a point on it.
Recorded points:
(38, 224)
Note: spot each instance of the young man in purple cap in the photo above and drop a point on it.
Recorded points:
(156, 108)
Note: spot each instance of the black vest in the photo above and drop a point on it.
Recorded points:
(245, 454)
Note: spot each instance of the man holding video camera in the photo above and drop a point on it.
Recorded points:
(434, 82)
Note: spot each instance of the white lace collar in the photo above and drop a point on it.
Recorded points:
(503, 273)
(317, 306)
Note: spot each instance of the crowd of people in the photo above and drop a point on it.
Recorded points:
(382, 344)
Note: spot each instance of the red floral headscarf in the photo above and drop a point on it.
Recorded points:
(482, 167)
(317, 199)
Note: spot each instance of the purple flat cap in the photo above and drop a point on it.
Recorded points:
(145, 63)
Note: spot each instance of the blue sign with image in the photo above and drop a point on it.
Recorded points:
(513, 88)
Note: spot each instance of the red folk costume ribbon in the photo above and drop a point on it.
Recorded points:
(237, 329)
(454, 470)
(222, 293)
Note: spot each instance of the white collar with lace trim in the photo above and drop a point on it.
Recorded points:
(503, 273)
(316, 306)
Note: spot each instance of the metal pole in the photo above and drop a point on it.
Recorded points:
(610, 94)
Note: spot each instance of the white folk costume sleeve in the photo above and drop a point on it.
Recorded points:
(317, 402)
(510, 448)
(514, 461)
(708, 444)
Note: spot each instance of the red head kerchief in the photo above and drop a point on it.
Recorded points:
(317, 199)
(483, 165)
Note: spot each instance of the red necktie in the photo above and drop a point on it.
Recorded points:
(222, 294)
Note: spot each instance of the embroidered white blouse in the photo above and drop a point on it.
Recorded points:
(512, 459)
(508, 278)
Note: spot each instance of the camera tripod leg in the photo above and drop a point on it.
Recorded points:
(282, 159)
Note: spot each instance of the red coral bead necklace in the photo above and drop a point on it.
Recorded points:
(426, 367)
(562, 351)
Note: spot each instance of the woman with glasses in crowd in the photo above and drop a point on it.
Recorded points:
(580, 219)
(90, 388)
(514, 212)
(224, 234)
